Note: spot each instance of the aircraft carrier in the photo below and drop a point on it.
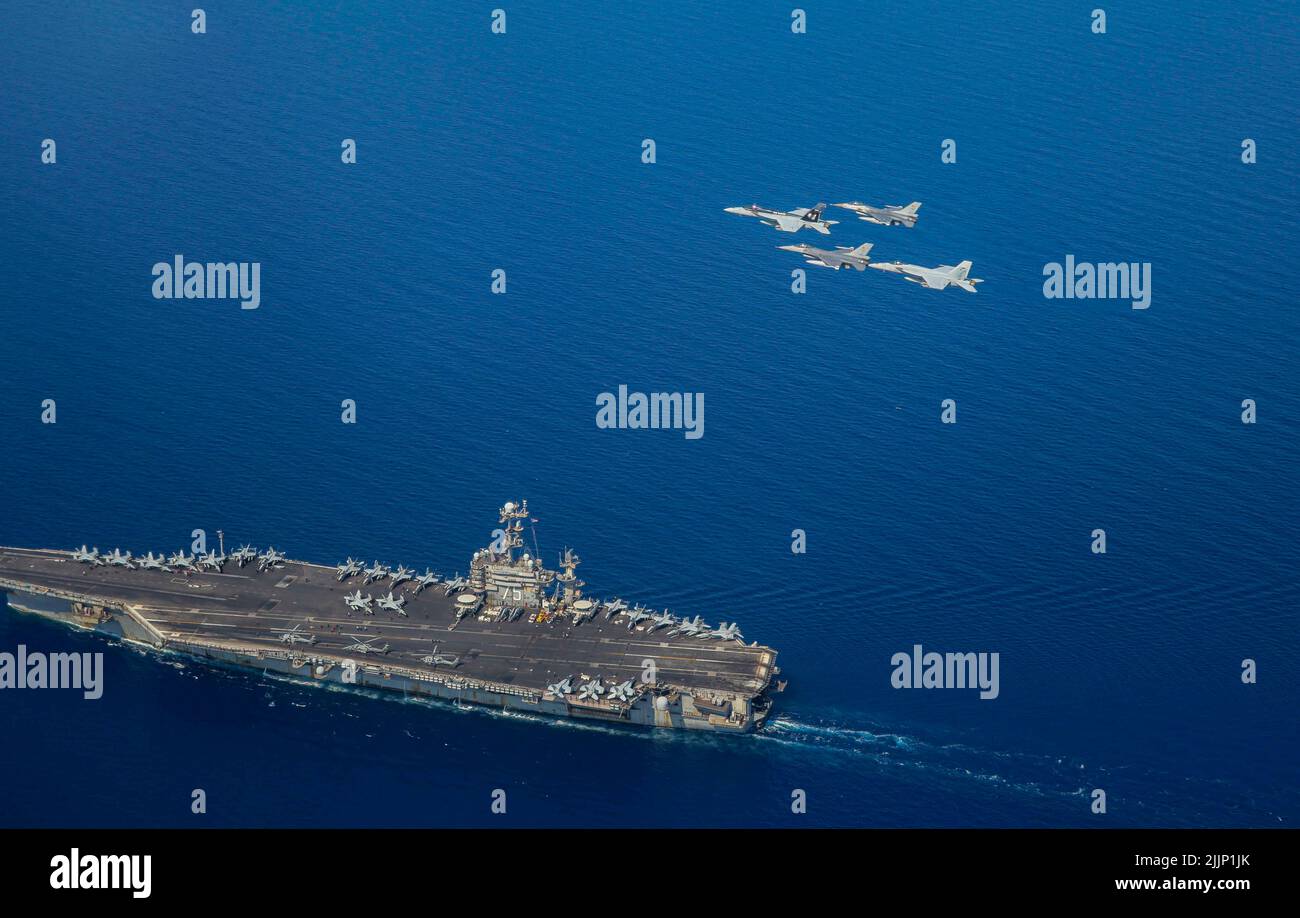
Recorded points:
(512, 634)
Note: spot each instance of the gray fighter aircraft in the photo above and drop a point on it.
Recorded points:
(613, 608)
(427, 579)
(727, 632)
(150, 563)
(347, 569)
(182, 561)
(561, 688)
(117, 559)
(635, 617)
(359, 603)
(591, 690)
(453, 585)
(841, 257)
(623, 691)
(212, 561)
(86, 555)
(269, 559)
(690, 626)
(663, 621)
(375, 572)
(889, 215)
(401, 575)
(243, 554)
(788, 221)
(391, 603)
(935, 278)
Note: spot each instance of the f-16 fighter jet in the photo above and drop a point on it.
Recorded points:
(347, 569)
(841, 257)
(934, 278)
(359, 603)
(391, 603)
(889, 215)
(789, 221)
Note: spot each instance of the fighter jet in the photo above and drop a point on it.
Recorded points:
(400, 575)
(427, 579)
(635, 617)
(663, 621)
(789, 221)
(348, 568)
(841, 257)
(613, 608)
(359, 603)
(561, 688)
(364, 645)
(212, 561)
(454, 584)
(117, 559)
(269, 559)
(86, 555)
(689, 626)
(391, 603)
(181, 560)
(623, 691)
(375, 572)
(727, 632)
(294, 636)
(889, 215)
(591, 690)
(244, 554)
(150, 563)
(934, 278)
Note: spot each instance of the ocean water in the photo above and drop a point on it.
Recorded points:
(522, 151)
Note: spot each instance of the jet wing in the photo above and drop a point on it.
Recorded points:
(788, 223)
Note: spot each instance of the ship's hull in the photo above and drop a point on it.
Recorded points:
(502, 665)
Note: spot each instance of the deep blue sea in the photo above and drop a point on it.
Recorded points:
(522, 151)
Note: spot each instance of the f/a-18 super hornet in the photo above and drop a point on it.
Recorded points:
(427, 579)
(613, 608)
(401, 575)
(86, 555)
(375, 572)
(635, 617)
(889, 215)
(453, 585)
(663, 620)
(622, 692)
(391, 603)
(358, 603)
(726, 632)
(348, 568)
(269, 559)
(690, 626)
(841, 257)
(213, 561)
(591, 691)
(789, 221)
(561, 688)
(935, 278)
(118, 559)
(181, 561)
(243, 555)
(151, 563)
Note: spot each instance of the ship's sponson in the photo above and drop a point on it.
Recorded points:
(242, 617)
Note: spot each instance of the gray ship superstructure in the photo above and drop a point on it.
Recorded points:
(512, 635)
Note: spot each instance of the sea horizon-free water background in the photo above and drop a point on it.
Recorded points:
(522, 151)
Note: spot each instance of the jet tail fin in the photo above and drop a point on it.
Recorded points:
(863, 249)
(960, 272)
(815, 213)
(910, 208)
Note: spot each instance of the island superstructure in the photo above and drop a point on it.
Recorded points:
(512, 634)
